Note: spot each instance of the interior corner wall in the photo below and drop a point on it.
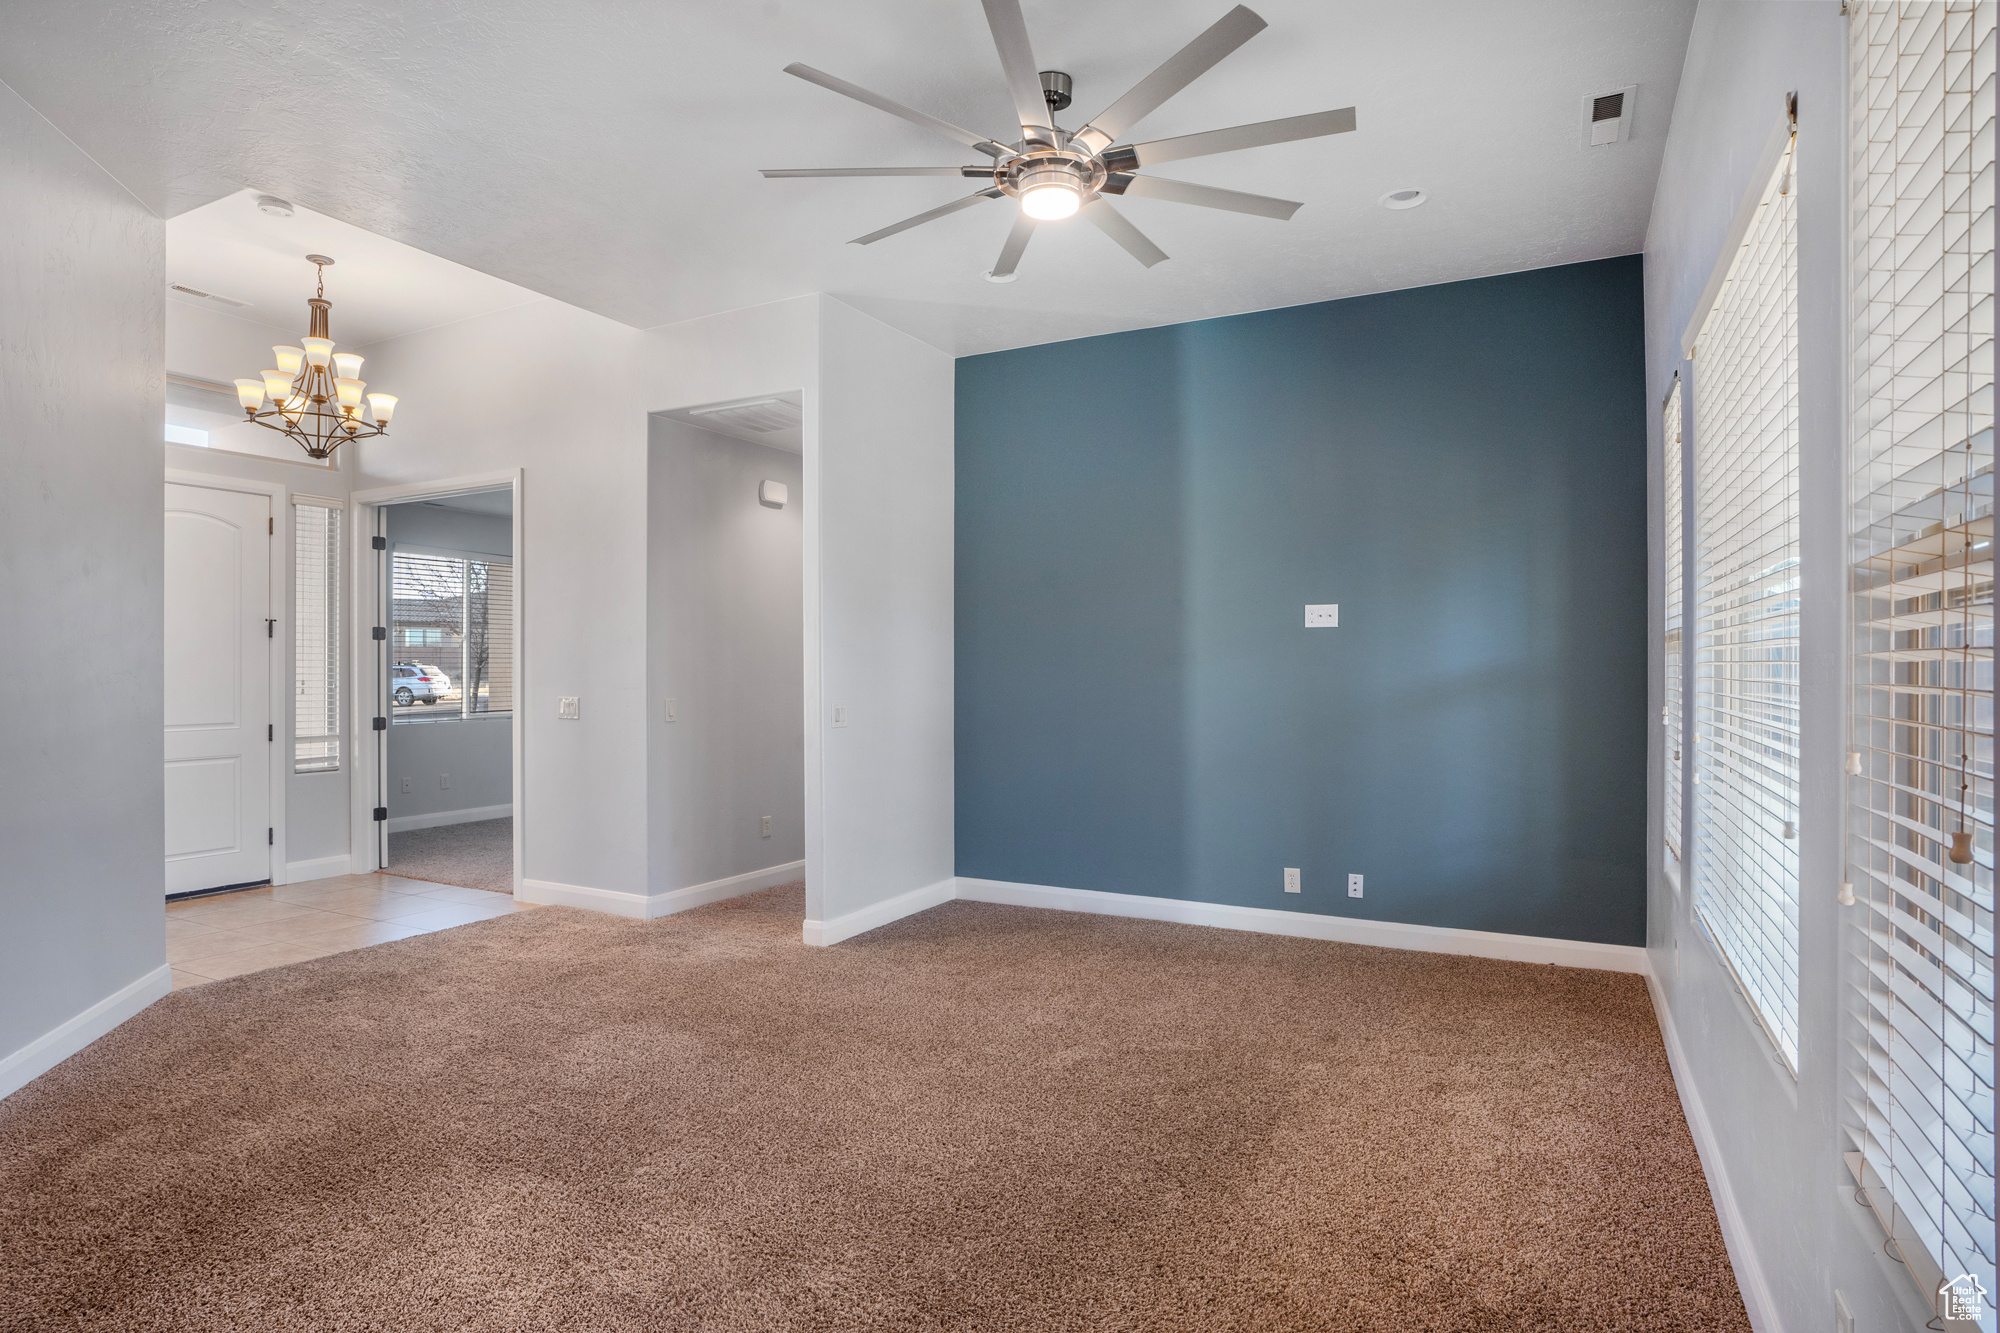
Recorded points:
(726, 631)
(880, 484)
(1459, 468)
(82, 270)
(1777, 1140)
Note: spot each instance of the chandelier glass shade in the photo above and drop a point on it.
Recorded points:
(316, 395)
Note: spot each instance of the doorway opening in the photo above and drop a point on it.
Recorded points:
(726, 651)
(449, 689)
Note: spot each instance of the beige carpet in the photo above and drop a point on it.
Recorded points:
(473, 856)
(980, 1118)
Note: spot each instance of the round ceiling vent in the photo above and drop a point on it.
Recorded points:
(276, 207)
(1402, 199)
(991, 276)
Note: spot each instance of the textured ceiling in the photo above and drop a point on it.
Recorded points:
(606, 154)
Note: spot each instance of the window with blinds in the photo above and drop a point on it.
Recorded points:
(451, 637)
(315, 638)
(1745, 868)
(1670, 519)
(1920, 815)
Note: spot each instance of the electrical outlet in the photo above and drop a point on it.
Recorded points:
(406, 785)
(566, 707)
(444, 781)
(1292, 880)
(673, 710)
(1323, 617)
(1354, 886)
(767, 826)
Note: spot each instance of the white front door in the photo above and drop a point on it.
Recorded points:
(218, 591)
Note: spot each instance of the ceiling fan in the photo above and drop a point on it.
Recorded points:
(1057, 173)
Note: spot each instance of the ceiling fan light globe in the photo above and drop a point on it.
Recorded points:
(1050, 203)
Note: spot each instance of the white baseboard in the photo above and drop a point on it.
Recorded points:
(1315, 926)
(326, 867)
(548, 893)
(438, 819)
(880, 914)
(50, 1049)
(1757, 1299)
(680, 900)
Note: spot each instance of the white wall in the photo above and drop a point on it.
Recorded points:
(564, 396)
(1777, 1141)
(81, 470)
(727, 636)
(882, 482)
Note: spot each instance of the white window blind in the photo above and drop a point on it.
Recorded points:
(1671, 522)
(453, 615)
(316, 638)
(1745, 868)
(1920, 1090)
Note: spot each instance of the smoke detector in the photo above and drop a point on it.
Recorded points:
(1607, 116)
(1406, 198)
(276, 207)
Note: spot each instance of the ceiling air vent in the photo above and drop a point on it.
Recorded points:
(1607, 116)
(200, 295)
(765, 416)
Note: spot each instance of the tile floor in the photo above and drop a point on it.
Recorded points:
(229, 934)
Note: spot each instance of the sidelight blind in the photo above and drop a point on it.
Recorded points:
(1920, 1080)
(1746, 723)
(1671, 523)
(316, 638)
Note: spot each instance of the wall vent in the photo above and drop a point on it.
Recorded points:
(200, 295)
(1607, 116)
(765, 416)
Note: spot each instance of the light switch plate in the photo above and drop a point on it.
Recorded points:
(566, 707)
(444, 782)
(1292, 880)
(766, 826)
(1323, 617)
(673, 710)
(840, 715)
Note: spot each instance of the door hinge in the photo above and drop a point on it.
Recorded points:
(270, 731)
(270, 628)
(379, 543)
(381, 724)
(381, 814)
(379, 634)
(270, 837)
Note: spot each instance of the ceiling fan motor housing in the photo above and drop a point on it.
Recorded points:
(1052, 166)
(1055, 89)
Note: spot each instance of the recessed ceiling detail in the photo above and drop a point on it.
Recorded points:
(1056, 173)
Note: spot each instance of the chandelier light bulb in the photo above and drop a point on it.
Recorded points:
(347, 365)
(289, 358)
(319, 351)
(383, 405)
(1050, 203)
(277, 387)
(250, 393)
(350, 392)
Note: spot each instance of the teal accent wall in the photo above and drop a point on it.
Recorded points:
(1142, 519)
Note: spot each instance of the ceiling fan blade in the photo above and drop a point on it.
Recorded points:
(911, 114)
(1205, 196)
(921, 218)
(1017, 241)
(1113, 224)
(1017, 62)
(1229, 140)
(1192, 61)
(791, 174)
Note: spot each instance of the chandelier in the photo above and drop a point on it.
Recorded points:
(316, 393)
